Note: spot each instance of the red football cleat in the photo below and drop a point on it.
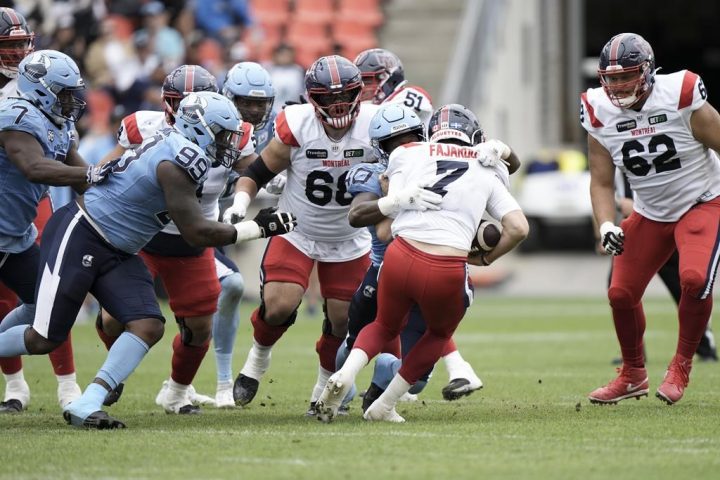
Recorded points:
(676, 380)
(632, 382)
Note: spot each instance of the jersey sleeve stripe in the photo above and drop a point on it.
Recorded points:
(686, 91)
(133, 132)
(591, 112)
(283, 131)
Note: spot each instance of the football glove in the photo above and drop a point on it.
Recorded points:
(276, 185)
(491, 152)
(267, 223)
(237, 211)
(98, 173)
(414, 197)
(612, 238)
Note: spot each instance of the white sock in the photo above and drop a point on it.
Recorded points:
(455, 364)
(14, 376)
(177, 388)
(322, 378)
(354, 363)
(70, 377)
(397, 388)
(257, 361)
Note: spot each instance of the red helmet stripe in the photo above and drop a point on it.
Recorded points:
(444, 117)
(189, 78)
(614, 47)
(334, 71)
(13, 16)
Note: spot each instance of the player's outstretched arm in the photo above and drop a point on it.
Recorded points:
(705, 124)
(27, 155)
(272, 160)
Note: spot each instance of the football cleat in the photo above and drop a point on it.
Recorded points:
(312, 410)
(175, 398)
(378, 412)
(68, 392)
(676, 380)
(11, 406)
(224, 395)
(707, 350)
(371, 394)
(632, 382)
(460, 387)
(244, 389)
(98, 420)
(114, 395)
(329, 402)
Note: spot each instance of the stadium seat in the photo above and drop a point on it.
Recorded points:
(308, 35)
(305, 55)
(272, 14)
(353, 36)
(365, 12)
(319, 12)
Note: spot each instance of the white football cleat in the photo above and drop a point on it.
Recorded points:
(408, 397)
(224, 395)
(176, 399)
(198, 398)
(378, 412)
(331, 398)
(68, 392)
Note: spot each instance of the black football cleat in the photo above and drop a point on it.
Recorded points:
(98, 420)
(311, 411)
(11, 406)
(706, 350)
(371, 394)
(244, 389)
(114, 395)
(458, 388)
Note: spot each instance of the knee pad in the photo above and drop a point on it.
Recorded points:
(621, 298)
(233, 285)
(287, 323)
(692, 282)
(186, 334)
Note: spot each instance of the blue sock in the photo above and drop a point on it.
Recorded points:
(386, 366)
(90, 401)
(22, 315)
(12, 342)
(341, 355)
(124, 356)
(225, 324)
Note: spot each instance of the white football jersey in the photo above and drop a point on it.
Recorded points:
(9, 90)
(142, 124)
(315, 190)
(413, 97)
(468, 189)
(667, 168)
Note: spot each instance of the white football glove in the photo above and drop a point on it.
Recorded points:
(237, 211)
(276, 185)
(491, 152)
(414, 197)
(612, 238)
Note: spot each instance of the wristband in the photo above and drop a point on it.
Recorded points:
(248, 230)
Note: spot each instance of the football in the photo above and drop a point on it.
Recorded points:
(487, 237)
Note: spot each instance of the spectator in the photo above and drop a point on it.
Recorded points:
(167, 43)
(223, 19)
(288, 77)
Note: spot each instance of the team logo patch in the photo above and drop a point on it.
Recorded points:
(194, 108)
(369, 291)
(335, 148)
(316, 153)
(354, 153)
(625, 126)
(655, 119)
(51, 136)
(87, 260)
(37, 67)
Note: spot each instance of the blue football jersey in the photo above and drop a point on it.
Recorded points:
(129, 207)
(365, 177)
(265, 134)
(19, 197)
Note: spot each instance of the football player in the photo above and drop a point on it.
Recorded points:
(36, 150)
(384, 82)
(16, 42)
(189, 273)
(316, 144)
(93, 243)
(659, 130)
(426, 263)
(364, 183)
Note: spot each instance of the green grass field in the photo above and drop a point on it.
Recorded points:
(537, 357)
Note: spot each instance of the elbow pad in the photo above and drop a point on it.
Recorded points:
(258, 172)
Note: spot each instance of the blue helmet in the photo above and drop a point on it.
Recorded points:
(250, 88)
(211, 121)
(392, 121)
(51, 80)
